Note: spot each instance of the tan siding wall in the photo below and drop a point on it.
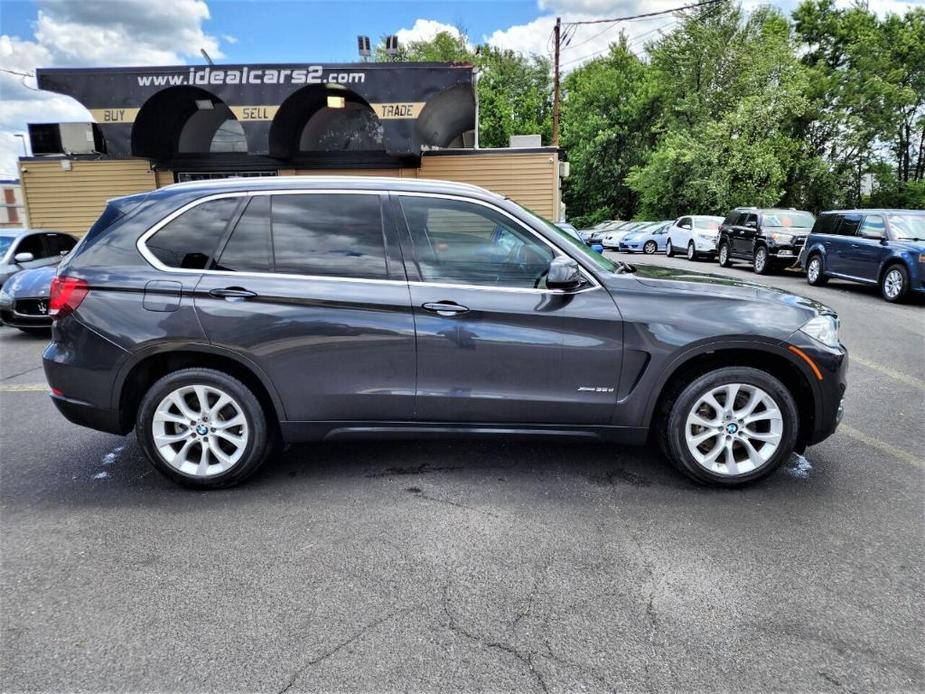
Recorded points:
(163, 178)
(394, 173)
(72, 200)
(529, 179)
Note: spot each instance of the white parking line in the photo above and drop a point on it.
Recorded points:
(887, 371)
(888, 448)
(23, 387)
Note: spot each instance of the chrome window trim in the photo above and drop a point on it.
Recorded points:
(142, 247)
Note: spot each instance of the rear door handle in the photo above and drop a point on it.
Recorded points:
(232, 293)
(445, 308)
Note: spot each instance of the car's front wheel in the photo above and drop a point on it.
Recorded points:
(203, 428)
(761, 262)
(669, 249)
(894, 285)
(723, 255)
(650, 248)
(731, 426)
(814, 274)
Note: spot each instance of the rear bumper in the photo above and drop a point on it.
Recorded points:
(86, 415)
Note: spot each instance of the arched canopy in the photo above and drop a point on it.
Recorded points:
(324, 118)
(447, 116)
(186, 120)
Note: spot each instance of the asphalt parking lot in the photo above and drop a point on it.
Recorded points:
(465, 565)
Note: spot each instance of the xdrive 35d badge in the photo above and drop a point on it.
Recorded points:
(219, 320)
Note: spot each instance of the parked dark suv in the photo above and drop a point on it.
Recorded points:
(221, 318)
(882, 247)
(769, 239)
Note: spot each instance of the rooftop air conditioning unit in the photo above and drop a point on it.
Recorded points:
(526, 141)
(66, 138)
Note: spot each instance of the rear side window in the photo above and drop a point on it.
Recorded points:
(248, 248)
(826, 224)
(337, 235)
(59, 243)
(190, 240)
(849, 225)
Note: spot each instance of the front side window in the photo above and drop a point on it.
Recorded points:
(248, 248)
(337, 235)
(59, 243)
(464, 243)
(873, 227)
(190, 240)
(31, 244)
(685, 223)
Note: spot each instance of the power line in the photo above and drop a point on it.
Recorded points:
(705, 3)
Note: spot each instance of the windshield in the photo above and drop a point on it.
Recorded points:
(707, 224)
(908, 226)
(788, 218)
(5, 243)
(576, 244)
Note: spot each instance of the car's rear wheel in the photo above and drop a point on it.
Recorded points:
(731, 426)
(691, 251)
(723, 255)
(761, 262)
(669, 249)
(894, 285)
(203, 428)
(650, 248)
(814, 273)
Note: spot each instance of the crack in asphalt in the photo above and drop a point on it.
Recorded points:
(340, 646)
(526, 659)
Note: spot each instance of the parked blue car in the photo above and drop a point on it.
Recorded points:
(650, 239)
(882, 247)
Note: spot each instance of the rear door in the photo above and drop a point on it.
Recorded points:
(494, 344)
(746, 233)
(309, 285)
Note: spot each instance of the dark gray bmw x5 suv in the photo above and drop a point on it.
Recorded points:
(223, 319)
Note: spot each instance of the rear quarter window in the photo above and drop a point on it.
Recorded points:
(826, 224)
(190, 240)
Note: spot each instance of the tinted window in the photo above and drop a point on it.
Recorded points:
(849, 225)
(190, 240)
(465, 243)
(248, 249)
(731, 218)
(56, 243)
(329, 234)
(685, 223)
(873, 227)
(31, 244)
(826, 224)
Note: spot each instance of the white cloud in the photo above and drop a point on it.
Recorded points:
(91, 32)
(229, 39)
(425, 30)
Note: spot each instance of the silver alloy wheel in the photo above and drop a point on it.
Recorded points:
(723, 253)
(760, 259)
(650, 247)
(815, 267)
(734, 429)
(200, 430)
(669, 249)
(690, 251)
(893, 283)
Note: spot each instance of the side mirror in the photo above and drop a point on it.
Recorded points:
(751, 224)
(64, 252)
(872, 235)
(563, 273)
(23, 258)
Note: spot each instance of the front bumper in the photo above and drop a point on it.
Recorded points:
(787, 254)
(829, 391)
(19, 320)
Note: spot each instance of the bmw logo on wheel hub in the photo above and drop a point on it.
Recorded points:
(202, 430)
(732, 428)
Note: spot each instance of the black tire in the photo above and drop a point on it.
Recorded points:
(895, 275)
(691, 251)
(650, 248)
(256, 450)
(722, 255)
(761, 263)
(676, 413)
(815, 275)
(669, 249)
(36, 332)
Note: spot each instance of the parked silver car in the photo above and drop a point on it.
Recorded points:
(24, 249)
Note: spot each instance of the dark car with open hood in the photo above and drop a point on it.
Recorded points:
(219, 319)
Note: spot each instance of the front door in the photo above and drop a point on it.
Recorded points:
(320, 304)
(868, 249)
(495, 345)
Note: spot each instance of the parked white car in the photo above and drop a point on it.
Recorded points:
(696, 235)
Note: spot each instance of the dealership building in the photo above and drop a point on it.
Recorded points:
(157, 126)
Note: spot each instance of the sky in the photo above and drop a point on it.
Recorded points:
(71, 33)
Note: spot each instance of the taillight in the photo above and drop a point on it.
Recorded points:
(65, 295)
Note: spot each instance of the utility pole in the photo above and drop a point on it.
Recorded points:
(555, 86)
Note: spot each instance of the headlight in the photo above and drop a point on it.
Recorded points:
(781, 238)
(706, 237)
(823, 328)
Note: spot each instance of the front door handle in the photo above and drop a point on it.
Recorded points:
(445, 308)
(232, 293)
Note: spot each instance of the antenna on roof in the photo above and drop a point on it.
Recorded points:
(206, 56)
